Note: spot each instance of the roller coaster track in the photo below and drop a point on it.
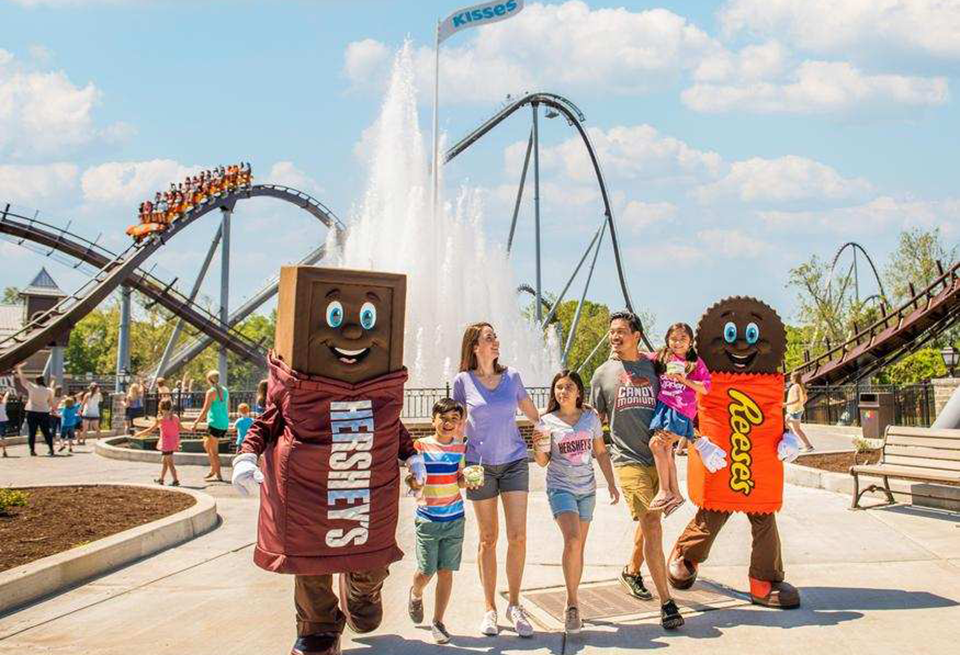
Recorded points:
(575, 118)
(897, 334)
(124, 268)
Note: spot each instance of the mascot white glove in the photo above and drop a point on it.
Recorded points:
(246, 475)
(417, 468)
(711, 454)
(789, 447)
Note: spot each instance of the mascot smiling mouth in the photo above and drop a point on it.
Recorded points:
(350, 357)
(740, 361)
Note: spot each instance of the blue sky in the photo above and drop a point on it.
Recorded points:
(738, 137)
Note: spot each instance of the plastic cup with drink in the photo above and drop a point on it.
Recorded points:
(676, 368)
(543, 443)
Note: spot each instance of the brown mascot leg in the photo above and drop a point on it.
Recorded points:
(360, 598)
(319, 619)
(766, 566)
(693, 547)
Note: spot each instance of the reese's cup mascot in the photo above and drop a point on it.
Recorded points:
(742, 341)
(328, 444)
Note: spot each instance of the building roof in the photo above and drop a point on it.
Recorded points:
(42, 285)
(11, 319)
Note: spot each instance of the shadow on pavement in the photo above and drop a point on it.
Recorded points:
(923, 512)
(507, 642)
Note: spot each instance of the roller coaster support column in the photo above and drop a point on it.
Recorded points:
(536, 203)
(123, 343)
(171, 344)
(224, 285)
(583, 298)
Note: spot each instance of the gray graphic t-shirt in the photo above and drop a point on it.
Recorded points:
(626, 392)
(571, 453)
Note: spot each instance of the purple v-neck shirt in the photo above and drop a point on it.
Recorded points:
(491, 430)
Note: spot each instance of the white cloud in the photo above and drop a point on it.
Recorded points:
(636, 152)
(131, 182)
(568, 45)
(31, 184)
(785, 179)
(733, 244)
(817, 87)
(852, 27)
(638, 215)
(752, 63)
(881, 213)
(665, 254)
(42, 113)
(286, 174)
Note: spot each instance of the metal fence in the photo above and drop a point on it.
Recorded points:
(840, 405)
(192, 401)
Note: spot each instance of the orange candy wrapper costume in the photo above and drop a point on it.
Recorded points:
(743, 414)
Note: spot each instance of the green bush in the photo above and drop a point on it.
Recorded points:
(12, 498)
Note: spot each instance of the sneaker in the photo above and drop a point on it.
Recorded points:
(572, 622)
(488, 626)
(670, 617)
(175, 483)
(439, 631)
(415, 607)
(634, 585)
(518, 617)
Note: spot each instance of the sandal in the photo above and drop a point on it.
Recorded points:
(158, 481)
(175, 483)
(661, 503)
(673, 506)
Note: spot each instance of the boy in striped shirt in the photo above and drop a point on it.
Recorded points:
(439, 520)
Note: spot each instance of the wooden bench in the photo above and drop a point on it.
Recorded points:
(922, 454)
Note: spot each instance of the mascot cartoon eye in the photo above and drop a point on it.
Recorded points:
(368, 316)
(334, 314)
(730, 332)
(753, 333)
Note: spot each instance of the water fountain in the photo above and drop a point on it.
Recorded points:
(454, 275)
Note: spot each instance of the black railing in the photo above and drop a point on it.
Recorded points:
(417, 403)
(913, 404)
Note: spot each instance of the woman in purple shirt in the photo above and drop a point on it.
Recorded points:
(492, 394)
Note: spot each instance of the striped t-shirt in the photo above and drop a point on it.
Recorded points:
(440, 498)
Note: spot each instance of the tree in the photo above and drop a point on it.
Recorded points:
(11, 296)
(920, 366)
(915, 261)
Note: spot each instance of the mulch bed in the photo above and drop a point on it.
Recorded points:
(837, 462)
(56, 519)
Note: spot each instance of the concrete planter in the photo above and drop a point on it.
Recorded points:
(56, 573)
(112, 449)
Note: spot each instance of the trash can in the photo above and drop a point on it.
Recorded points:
(876, 413)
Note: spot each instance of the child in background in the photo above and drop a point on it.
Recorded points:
(439, 521)
(683, 375)
(69, 418)
(243, 423)
(169, 443)
(3, 422)
(55, 421)
(260, 404)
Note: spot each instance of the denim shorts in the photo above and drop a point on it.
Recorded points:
(795, 416)
(565, 501)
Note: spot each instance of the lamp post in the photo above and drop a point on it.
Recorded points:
(951, 356)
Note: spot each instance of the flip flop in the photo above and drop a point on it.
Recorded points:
(674, 506)
(656, 504)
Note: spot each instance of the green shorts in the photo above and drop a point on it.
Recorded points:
(439, 545)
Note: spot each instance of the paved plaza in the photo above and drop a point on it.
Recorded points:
(879, 581)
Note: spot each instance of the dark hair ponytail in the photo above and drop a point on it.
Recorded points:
(663, 355)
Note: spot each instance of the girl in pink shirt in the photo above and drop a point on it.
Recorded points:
(169, 443)
(683, 376)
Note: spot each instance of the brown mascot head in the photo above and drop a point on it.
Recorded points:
(340, 324)
(741, 335)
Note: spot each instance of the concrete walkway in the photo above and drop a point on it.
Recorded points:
(879, 581)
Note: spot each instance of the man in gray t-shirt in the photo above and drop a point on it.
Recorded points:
(626, 393)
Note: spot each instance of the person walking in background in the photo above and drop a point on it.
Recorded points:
(55, 403)
(3, 420)
(796, 400)
(69, 417)
(169, 425)
(624, 392)
(215, 404)
(133, 406)
(492, 394)
(243, 423)
(568, 439)
(39, 397)
(260, 404)
(90, 412)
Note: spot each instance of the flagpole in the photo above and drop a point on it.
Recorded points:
(436, 123)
